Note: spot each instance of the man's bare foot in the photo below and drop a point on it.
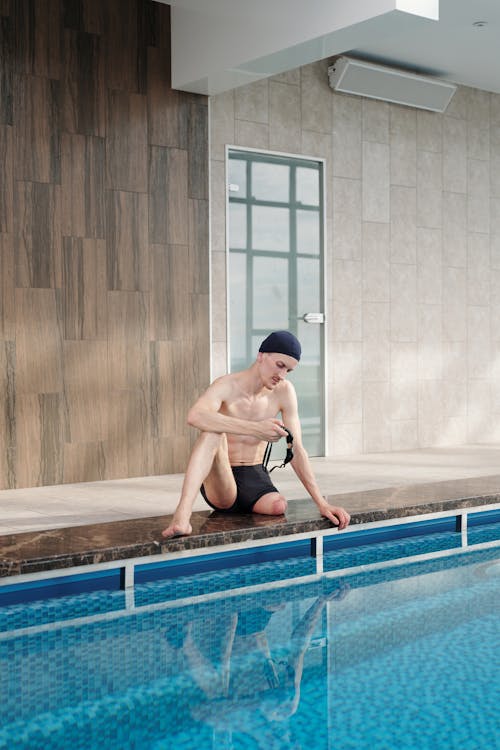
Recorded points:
(177, 529)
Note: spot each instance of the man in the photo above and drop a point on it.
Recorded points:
(236, 417)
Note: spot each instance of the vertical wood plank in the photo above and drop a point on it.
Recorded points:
(84, 462)
(168, 196)
(38, 37)
(38, 342)
(6, 72)
(7, 415)
(38, 235)
(36, 113)
(7, 181)
(172, 392)
(93, 16)
(40, 439)
(126, 59)
(82, 180)
(200, 343)
(168, 109)
(197, 149)
(127, 451)
(198, 246)
(127, 142)
(83, 93)
(52, 433)
(72, 14)
(83, 15)
(127, 241)
(85, 289)
(170, 310)
(169, 454)
(86, 388)
(128, 347)
(155, 385)
(7, 286)
(156, 25)
(28, 441)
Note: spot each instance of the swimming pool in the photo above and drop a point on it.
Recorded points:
(374, 652)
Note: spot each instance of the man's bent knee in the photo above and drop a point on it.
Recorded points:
(213, 443)
(214, 439)
(280, 505)
(272, 504)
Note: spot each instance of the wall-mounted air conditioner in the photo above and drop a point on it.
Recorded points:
(352, 76)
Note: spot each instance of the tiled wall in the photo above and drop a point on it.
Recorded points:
(413, 254)
(104, 288)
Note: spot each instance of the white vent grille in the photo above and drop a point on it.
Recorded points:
(389, 84)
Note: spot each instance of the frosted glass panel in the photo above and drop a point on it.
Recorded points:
(308, 291)
(238, 224)
(270, 293)
(238, 178)
(238, 305)
(308, 186)
(270, 228)
(271, 182)
(308, 234)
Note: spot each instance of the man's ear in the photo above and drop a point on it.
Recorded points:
(260, 356)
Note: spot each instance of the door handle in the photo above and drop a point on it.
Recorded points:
(313, 317)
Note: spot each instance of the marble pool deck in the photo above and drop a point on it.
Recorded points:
(51, 528)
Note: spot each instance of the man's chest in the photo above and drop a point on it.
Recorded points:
(253, 408)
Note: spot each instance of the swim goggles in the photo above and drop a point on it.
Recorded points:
(289, 452)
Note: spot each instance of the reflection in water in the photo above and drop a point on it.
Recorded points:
(246, 685)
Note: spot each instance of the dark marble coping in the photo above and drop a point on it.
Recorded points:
(56, 549)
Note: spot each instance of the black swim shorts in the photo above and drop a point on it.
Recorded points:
(251, 482)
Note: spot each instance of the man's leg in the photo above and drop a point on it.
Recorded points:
(271, 504)
(208, 465)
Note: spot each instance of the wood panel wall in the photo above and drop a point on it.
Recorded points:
(104, 308)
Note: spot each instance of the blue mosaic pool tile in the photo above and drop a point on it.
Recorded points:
(481, 533)
(46, 611)
(109, 722)
(222, 580)
(60, 586)
(365, 554)
(483, 517)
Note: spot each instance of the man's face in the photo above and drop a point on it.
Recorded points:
(275, 367)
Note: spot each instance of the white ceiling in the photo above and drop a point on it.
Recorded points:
(221, 44)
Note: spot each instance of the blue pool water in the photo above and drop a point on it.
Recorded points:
(268, 655)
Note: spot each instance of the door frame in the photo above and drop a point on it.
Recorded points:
(323, 265)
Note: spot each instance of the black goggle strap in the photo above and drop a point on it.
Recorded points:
(289, 452)
(267, 456)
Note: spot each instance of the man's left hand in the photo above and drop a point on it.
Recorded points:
(338, 516)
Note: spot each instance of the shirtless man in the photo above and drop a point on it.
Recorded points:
(236, 417)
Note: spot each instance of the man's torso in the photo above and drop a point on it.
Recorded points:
(244, 449)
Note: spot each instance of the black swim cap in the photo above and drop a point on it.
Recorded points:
(282, 342)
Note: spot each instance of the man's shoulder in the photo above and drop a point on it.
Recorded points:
(286, 392)
(225, 382)
(229, 377)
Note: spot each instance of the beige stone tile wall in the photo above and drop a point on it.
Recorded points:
(413, 254)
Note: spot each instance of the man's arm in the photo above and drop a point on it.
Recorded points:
(301, 464)
(205, 415)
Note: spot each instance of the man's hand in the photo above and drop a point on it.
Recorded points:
(270, 430)
(338, 516)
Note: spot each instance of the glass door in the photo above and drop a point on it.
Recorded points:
(275, 265)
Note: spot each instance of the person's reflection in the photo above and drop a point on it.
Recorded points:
(248, 688)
